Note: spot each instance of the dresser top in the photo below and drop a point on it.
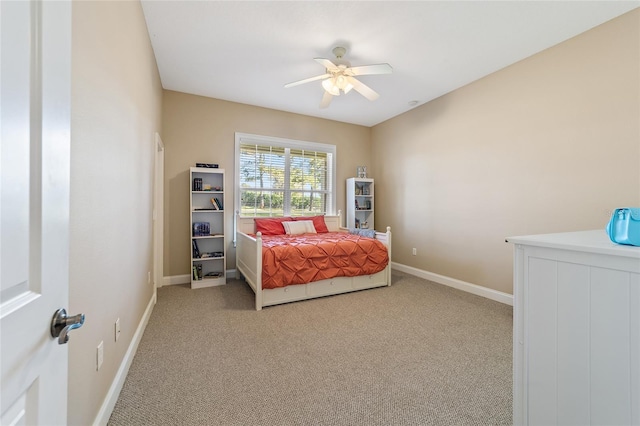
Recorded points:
(595, 241)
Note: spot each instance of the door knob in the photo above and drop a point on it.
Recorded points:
(61, 325)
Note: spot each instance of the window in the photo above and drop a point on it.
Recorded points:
(282, 177)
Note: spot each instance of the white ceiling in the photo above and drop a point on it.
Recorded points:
(245, 51)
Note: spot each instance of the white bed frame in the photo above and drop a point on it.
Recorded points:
(249, 265)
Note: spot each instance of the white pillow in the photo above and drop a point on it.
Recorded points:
(299, 227)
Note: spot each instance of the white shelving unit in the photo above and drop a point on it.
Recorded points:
(208, 247)
(360, 205)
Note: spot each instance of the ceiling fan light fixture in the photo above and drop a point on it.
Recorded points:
(330, 85)
(342, 83)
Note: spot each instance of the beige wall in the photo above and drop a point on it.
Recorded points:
(550, 144)
(200, 129)
(115, 112)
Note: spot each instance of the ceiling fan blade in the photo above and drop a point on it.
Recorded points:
(326, 63)
(307, 80)
(326, 99)
(363, 89)
(371, 69)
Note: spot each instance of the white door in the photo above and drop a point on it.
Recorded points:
(34, 208)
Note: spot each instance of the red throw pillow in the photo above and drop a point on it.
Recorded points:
(318, 223)
(271, 226)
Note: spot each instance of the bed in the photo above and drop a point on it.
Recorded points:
(250, 259)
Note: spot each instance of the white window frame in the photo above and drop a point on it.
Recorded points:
(246, 138)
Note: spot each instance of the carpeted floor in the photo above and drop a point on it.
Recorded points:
(415, 353)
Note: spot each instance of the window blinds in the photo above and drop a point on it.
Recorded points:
(277, 181)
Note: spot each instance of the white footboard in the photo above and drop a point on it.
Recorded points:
(249, 264)
(385, 238)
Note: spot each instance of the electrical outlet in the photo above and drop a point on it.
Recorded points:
(117, 329)
(415, 251)
(100, 355)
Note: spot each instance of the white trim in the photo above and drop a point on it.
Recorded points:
(116, 386)
(158, 212)
(478, 290)
(176, 279)
(186, 278)
(247, 138)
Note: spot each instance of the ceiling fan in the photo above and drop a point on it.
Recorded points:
(340, 76)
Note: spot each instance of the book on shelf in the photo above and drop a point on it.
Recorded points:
(217, 204)
(211, 255)
(196, 251)
(201, 229)
(199, 270)
(197, 184)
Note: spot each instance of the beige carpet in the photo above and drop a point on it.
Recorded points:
(415, 353)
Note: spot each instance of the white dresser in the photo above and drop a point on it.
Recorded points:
(576, 331)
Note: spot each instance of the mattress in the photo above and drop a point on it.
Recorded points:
(305, 258)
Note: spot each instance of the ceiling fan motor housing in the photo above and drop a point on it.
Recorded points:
(339, 52)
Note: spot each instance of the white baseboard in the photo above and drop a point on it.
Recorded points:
(478, 290)
(186, 278)
(116, 386)
(176, 279)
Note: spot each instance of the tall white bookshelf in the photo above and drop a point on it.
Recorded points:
(360, 203)
(208, 247)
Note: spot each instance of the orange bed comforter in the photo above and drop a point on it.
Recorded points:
(301, 259)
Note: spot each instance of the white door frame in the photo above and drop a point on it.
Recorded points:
(158, 214)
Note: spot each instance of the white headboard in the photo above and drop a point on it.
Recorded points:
(247, 225)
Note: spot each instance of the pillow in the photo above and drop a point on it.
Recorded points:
(299, 227)
(318, 223)
(370, 233)
(271, 226)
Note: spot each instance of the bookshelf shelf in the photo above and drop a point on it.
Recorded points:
(207, 227)
(206, 259)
